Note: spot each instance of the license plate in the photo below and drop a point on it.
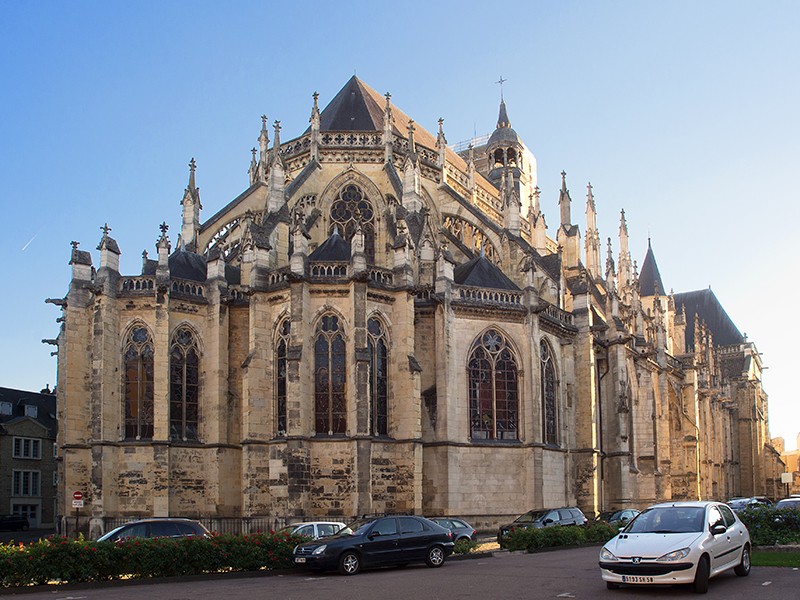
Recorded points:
(300, 559)
(636, 579)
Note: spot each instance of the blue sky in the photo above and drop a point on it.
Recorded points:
(685, 114)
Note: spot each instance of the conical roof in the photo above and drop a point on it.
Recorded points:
(503, 134)
(334, 249)
(649, 277)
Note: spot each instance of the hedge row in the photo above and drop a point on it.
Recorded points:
(769, 527)
(62, 560)
(531, 540)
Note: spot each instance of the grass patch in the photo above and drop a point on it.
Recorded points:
(775, 559)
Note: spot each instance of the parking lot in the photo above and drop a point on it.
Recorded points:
(571, 573)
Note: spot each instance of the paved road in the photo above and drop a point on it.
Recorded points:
(569, 573)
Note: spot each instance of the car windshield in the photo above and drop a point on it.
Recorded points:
(739, 502)
(606, 516)
(357, 527)
(531, 516)
(670, 519)
(789, 503)
(110, 534)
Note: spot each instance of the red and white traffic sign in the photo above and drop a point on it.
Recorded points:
(77, 495)
(77, 499)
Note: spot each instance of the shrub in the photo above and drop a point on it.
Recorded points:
(769, 527)
(531, 540)
(464, 546)
(57, 559)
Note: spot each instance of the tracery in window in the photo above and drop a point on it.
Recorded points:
(329, 377)
(184, 379)
(351, 209)
(138, 383)
(549, 382)
(378, 378)
(281, 349)
(493, 396)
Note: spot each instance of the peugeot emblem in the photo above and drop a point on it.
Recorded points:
(636, 560)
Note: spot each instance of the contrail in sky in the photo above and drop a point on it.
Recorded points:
(25, 247)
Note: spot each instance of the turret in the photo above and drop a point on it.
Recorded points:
(263, 144)
(277, 174)
(568, 237)
(191, 211)
(164, 247)
(625, 275)
(315, 122)
(109, 251)
(592, 243)
(565, 202)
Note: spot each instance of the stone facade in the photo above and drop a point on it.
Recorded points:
(381, 324)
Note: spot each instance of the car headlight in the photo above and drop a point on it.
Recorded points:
(606, 554)
(675, 555)
(319, 550)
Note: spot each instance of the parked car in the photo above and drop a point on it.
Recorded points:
(156, 528)
(378, 541)
(617, 517)
(460, 528)
(14, 523)
(677, 542)
(314, 529)
(788, 503)
(548, 517)
(738, 504)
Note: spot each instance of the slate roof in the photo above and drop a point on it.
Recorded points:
(334, 249)
(45, 407)
(649, 277)
(481, 272)
(704, 304)
(504, 133)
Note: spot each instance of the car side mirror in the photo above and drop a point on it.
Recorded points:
(718, 529)
(374, 534)
(548, 521)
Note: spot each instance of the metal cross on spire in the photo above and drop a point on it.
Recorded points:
(501, 81)
(105, 229)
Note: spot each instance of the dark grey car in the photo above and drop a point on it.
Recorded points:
(156, 528)
(547, 517)
(460, 528)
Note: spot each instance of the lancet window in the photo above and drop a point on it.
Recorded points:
(330, 414)
(138, 384)
(350, 210)
(184, 385)
(378, 377)
(549, 388)
(493, 388)
(281, 350)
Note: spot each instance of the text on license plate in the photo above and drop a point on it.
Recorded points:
(300, 559)
(636, 579)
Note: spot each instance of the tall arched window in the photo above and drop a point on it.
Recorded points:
(280, 376)
(138, 359)
(493, 398)
(350, 209)
(330, 408)
(378, 378)
(184, 385)
(549, 382)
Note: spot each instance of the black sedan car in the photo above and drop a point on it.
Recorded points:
(377, 542)
(14, 523)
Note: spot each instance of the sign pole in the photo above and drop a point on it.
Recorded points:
(77, 510)
(77, 504)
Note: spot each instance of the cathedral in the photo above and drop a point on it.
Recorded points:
(382, 322)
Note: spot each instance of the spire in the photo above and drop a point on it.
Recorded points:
(412, 149)
(388, 122)
(565, 202)
(263, 143)
(276, 145)
(610, 269)
(503, 122)
(625, 272)
(650, 278)
(315, 123)
(109, 250)
(253, 170)
(592, 244)
(191, 208)
(471, 168)
(277, 179)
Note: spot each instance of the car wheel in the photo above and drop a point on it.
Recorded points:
(700, 584)
(611, 585)
(435, 557)
(349, 563)
(743, 568)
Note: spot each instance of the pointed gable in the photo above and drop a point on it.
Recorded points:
(334, 249)
(481, 272)
(650, 278)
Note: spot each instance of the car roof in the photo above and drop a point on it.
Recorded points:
(300, 523)
(695, 503)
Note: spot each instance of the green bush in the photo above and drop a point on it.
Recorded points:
(62, 560)
(769, 527)
(531, 540)
(464, 546)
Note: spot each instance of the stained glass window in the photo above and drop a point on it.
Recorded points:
(549, 413)
(378, 378)
(493, 395)
(138, 382)
(350, 209)
(330, 414)
(280, 376)
(184, 382)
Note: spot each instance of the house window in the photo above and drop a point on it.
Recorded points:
(184, 370)
(5, 408)
(31, 411)
(26, 483)
(350, 210)
(281, 352)
(549, 383)
(378, 378)
(27, 448)
(330, 415)
(493, 396)
(138, 362)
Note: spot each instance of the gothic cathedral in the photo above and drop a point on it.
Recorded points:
(383, 323)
